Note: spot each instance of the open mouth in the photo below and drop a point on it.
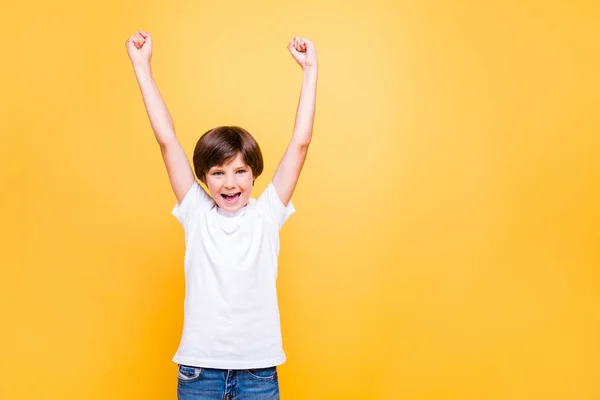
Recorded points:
(231, 199)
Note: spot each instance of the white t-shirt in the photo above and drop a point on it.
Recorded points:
(231, 313)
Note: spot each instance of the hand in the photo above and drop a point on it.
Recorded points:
(303, 51)
(139, 48)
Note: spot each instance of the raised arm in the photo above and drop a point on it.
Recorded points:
(287, 173)
(139, 49)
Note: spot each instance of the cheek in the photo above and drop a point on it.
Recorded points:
(244, 179)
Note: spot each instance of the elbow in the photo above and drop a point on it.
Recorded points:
(302, 144)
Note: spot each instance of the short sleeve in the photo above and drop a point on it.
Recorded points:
(196, 198)
(270, 204)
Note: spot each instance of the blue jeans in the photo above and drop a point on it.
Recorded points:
(196, 383)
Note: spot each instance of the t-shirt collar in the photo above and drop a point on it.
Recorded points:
(230, 214)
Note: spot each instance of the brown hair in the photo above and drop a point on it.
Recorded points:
(221, 144)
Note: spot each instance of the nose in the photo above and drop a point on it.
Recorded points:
(230, 181)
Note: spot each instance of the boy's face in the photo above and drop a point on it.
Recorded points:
(232, 178)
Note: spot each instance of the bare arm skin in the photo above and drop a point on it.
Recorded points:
(181, 176)
(288, 172)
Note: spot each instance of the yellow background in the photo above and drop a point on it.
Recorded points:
(446, 243)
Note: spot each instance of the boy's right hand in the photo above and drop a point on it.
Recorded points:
(139, 48)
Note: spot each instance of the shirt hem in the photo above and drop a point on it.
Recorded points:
(206, 363)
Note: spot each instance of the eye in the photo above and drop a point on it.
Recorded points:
(217, 173)
(242, 171)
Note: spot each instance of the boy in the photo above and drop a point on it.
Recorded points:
(231, 340)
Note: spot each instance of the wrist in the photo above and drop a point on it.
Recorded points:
(310, 71)
(142, 69)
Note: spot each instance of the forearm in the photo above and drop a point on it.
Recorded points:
(160, 118)
(305, 114)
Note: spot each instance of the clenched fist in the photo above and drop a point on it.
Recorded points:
(139, 48)
(303, 51)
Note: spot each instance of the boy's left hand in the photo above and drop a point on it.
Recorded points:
(303, 51)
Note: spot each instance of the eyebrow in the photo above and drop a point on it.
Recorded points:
(215, 168)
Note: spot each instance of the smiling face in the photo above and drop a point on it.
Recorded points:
(230, 184)
(228, 160)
